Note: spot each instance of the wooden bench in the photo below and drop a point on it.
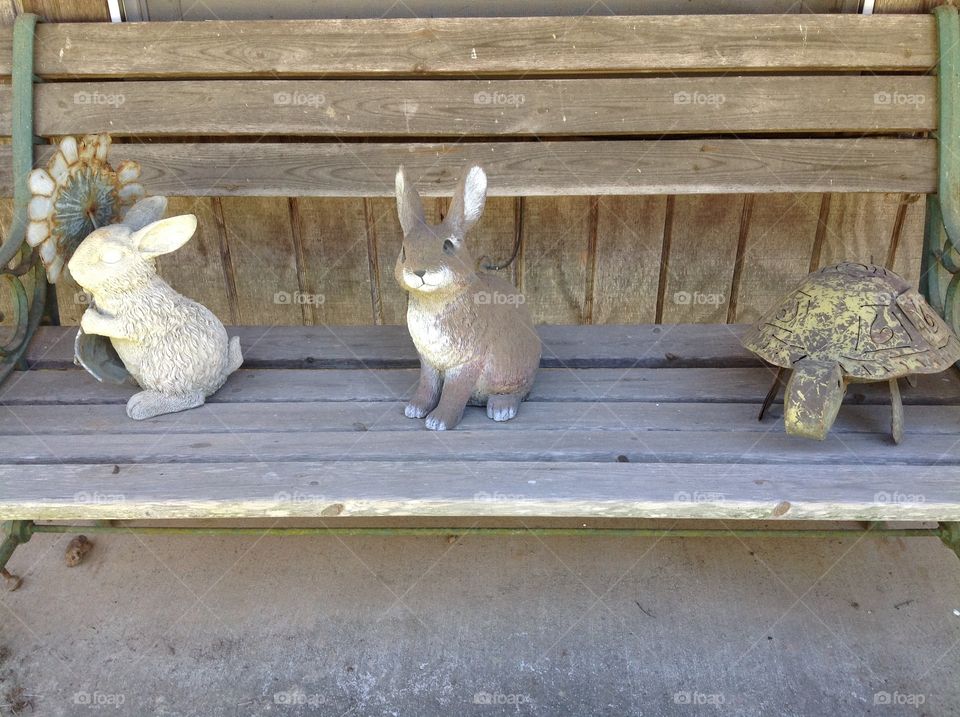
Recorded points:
(625, 422)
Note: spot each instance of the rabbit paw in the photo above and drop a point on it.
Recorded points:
(503, 407)
(417, 409)
(440, 421)
(148, 404)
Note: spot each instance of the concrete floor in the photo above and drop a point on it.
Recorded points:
(238, 626)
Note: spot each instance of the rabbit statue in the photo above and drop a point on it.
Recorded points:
(174, 348)
(474, 334)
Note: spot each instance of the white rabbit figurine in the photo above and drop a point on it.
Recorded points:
(176, 349)
(474, 334)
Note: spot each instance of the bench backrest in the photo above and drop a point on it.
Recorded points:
(552, 107)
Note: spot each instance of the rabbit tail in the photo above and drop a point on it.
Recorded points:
(234, 356)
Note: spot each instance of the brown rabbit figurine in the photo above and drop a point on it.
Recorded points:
(473, 331)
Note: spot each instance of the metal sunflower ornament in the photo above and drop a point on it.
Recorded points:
(78, 192)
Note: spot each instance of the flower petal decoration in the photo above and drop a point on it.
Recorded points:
(78, 192)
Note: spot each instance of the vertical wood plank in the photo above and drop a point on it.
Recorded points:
(196, 269)
(629, 245)
(907, 248)
(335, 260)
(556, 237)
(703, 250)
(776, 256)
(859, 228)
(492, 239)
(264, 263)
(71, 299)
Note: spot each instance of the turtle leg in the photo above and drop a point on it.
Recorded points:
(772, 393)
(896, 411)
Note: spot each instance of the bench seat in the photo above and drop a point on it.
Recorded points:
(624, 421)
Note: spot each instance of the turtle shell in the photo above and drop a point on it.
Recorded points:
(867, 318)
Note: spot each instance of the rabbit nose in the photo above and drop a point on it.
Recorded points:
(420, 274)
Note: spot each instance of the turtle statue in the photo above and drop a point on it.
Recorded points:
(849, 323)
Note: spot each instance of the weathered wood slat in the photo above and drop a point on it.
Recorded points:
(609, 346)
(690, 385)
(720, 166)
(482, 46)
(50, 422)
(453, 108)
(464, 446)
(372, 489)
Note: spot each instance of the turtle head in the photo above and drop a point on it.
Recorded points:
(814, 394)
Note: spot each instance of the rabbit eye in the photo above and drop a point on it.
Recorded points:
(448, 247)
(111, 255)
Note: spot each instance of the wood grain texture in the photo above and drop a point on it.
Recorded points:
(374, 489)
(629, 245)
(608, 346)
(599, 385)
(336, 272)
(492, 240)
(703, 251)
(68, 10)
(907, 249)
(556, 235)
(681, 442)
(197, 268)
(437, 108)
(354, 417)
(776, 256)
(531, 168)
(859, 228)
(462, 447)
(490, 46)
(263, 260)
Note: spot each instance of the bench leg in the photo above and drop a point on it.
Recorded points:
(772, 393)
(15, 532)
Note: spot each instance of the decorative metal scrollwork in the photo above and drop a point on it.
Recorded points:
(19, 264)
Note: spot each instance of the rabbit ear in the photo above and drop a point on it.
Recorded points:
(467, 203)
(409, 206)
(144, 212)
(164, 236)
